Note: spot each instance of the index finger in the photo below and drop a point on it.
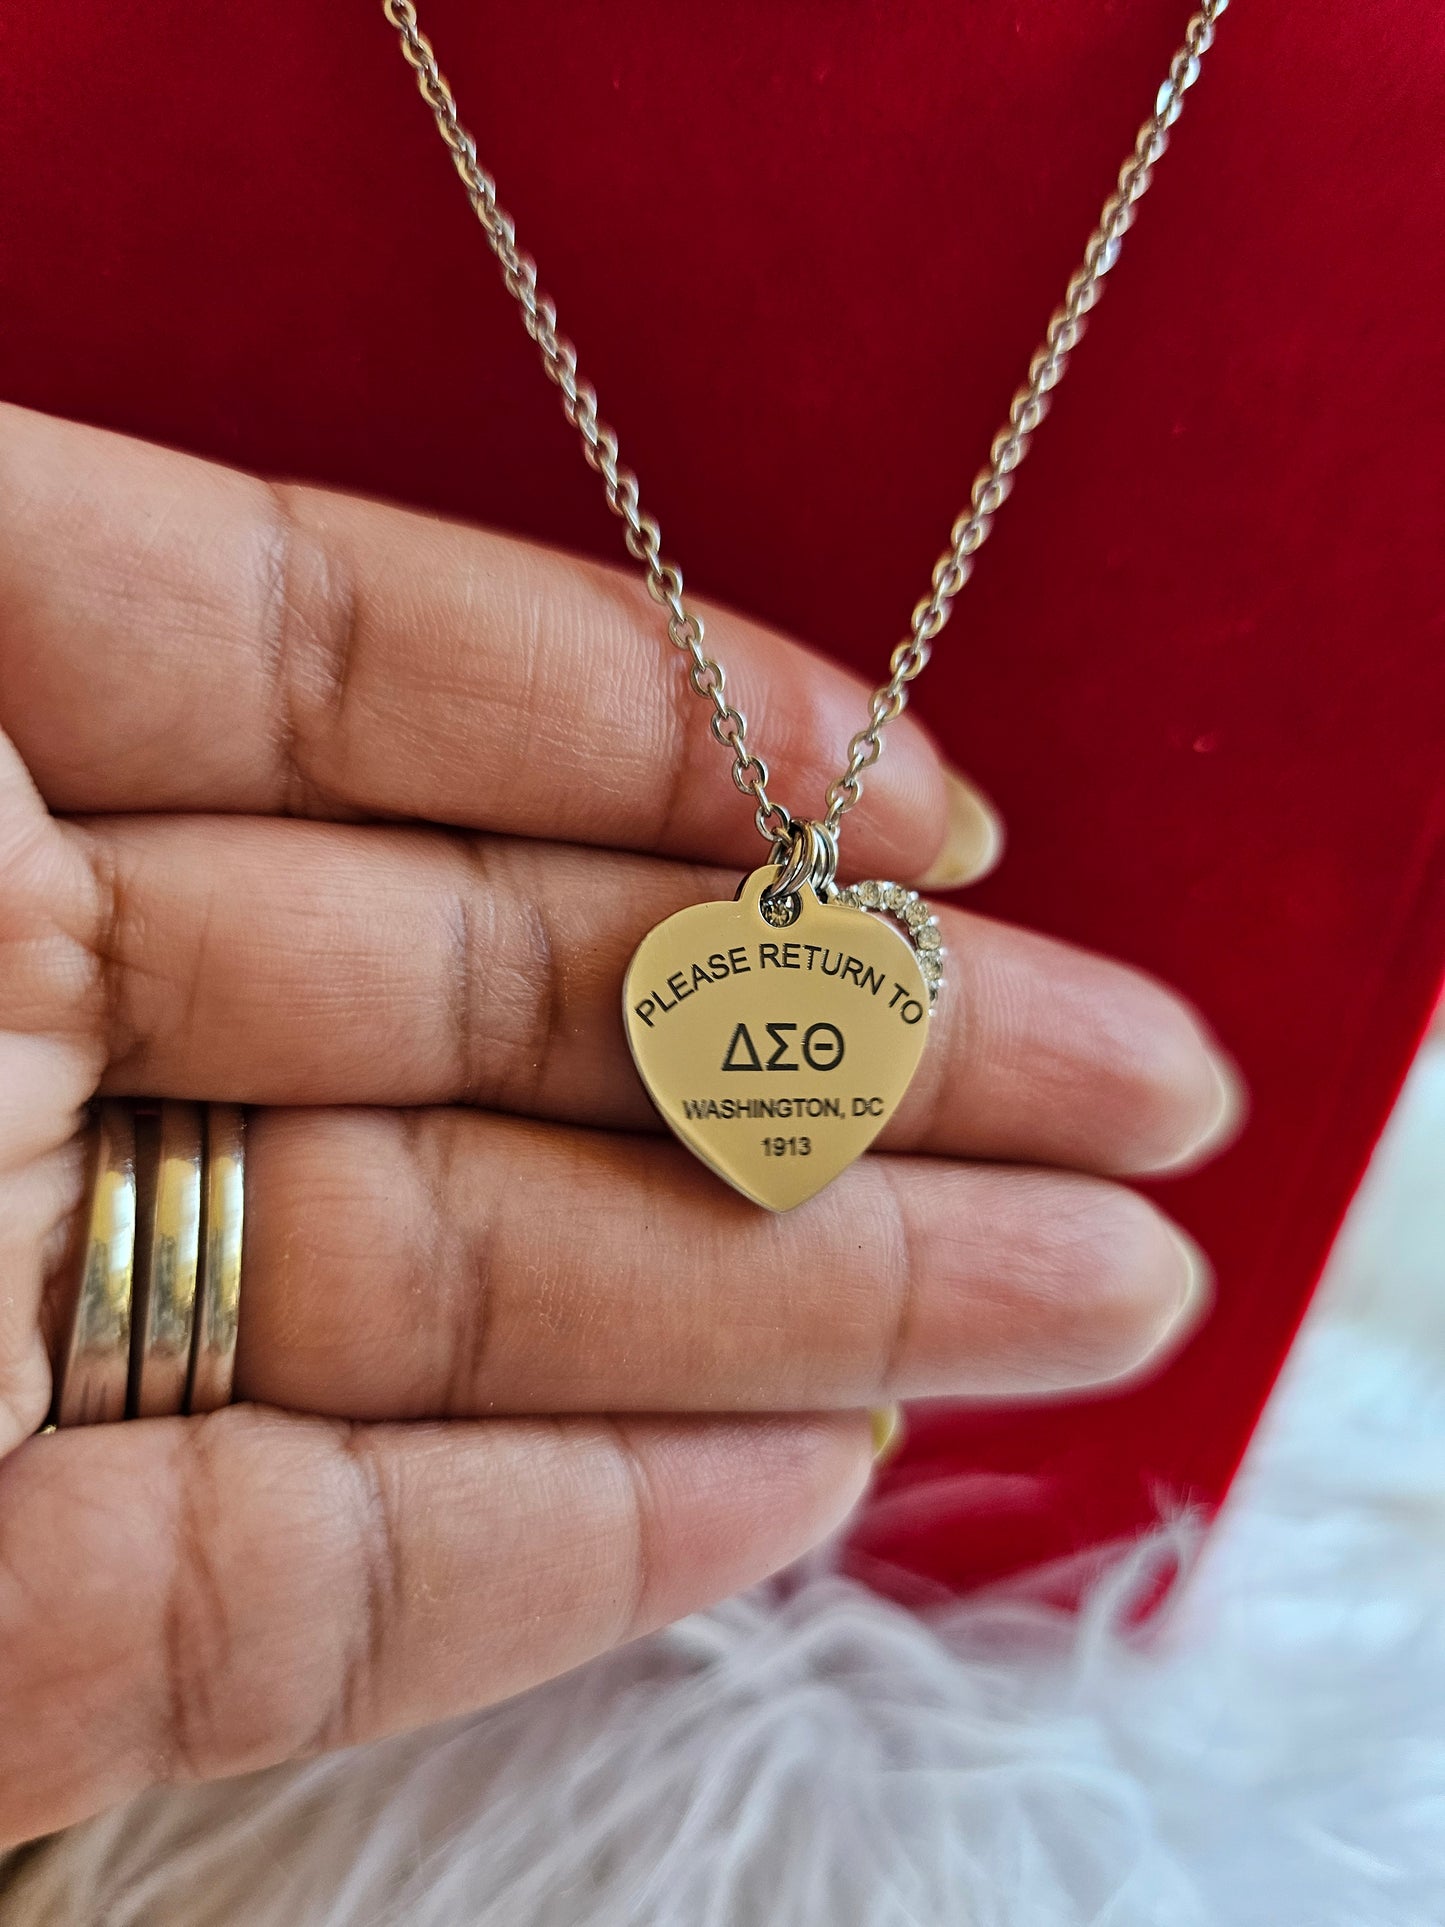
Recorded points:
(175, 635)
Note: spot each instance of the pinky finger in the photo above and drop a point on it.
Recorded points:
(187, 1599)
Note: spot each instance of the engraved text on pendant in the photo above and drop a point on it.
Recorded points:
(775, 1052)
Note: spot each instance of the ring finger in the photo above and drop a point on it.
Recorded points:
(451, 1264)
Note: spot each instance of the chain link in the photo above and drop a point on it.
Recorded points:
(991, 485)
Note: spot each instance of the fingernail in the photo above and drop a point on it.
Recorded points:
(973, 842)
(1196, 1292)
(1230, 1107)
(887, 1424)
(1223, 1119)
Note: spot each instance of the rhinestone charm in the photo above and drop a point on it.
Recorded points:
(918, 922)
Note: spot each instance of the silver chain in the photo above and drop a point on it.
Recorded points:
(991, 485)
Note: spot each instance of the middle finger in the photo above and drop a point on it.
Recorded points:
(273, 962)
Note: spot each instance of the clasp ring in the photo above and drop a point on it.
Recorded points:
(808, 854)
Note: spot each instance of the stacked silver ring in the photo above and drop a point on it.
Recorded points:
(156, 1309)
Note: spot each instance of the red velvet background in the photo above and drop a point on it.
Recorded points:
(807, 250)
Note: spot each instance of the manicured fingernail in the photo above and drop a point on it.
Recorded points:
(1230, 1108)
(973, 843)
(1223, 1118)
(887, 1424)
(1196, 1290)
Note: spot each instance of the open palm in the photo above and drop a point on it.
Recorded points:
(356, 816)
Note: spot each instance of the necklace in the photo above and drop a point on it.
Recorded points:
(742, 1016)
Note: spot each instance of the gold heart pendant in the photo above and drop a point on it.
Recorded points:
(776, 1037)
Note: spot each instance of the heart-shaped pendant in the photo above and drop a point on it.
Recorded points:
(777, 1036)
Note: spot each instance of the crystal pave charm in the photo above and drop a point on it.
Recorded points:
(777, 1034)
(918, 921)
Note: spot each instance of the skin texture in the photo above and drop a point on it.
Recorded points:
(294, 797)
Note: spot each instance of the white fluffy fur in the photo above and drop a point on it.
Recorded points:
(809, 1756)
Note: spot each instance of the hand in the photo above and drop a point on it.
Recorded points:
(293, 809)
